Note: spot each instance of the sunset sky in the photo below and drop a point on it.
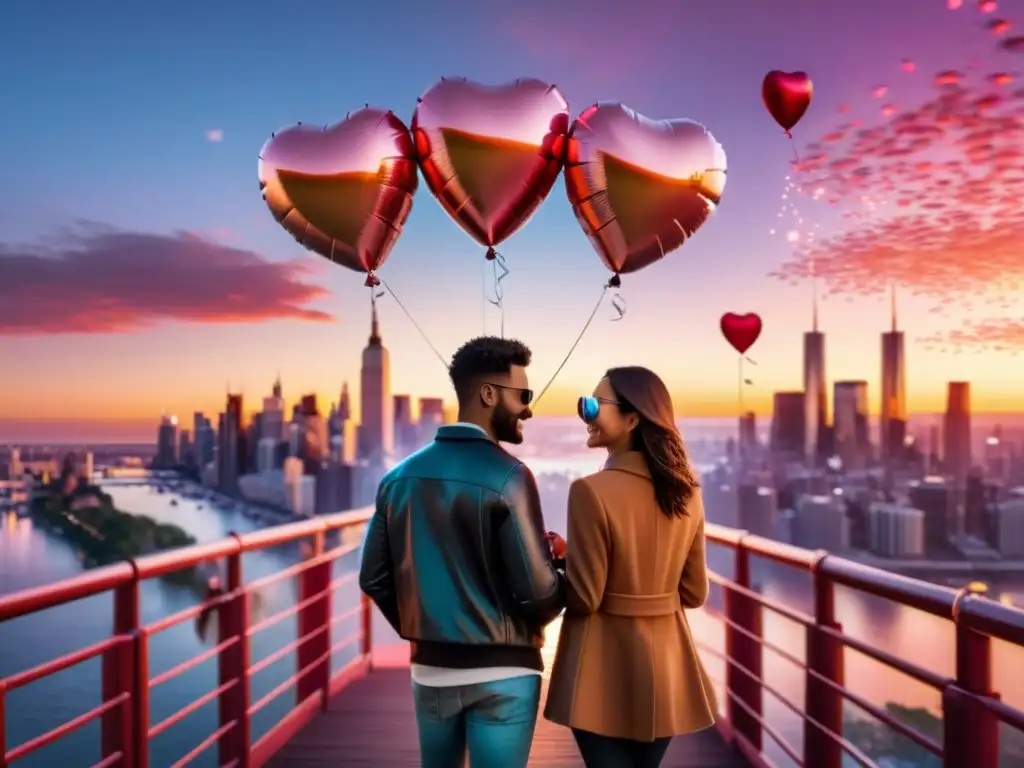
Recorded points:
(140, 270)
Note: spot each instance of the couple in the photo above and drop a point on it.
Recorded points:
(458, 560)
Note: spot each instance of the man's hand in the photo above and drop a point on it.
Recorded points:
(557, 545)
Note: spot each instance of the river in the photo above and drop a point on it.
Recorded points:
(30, 557)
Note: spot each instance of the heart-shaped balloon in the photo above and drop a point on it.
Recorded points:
(741, 330)
(490, 154)
(640, 187)
(787, 96)
(345, 190)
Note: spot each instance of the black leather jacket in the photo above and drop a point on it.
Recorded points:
(456, 554)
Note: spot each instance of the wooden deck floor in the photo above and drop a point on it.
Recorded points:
(371, 724)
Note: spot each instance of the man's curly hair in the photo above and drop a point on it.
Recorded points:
(482, 357)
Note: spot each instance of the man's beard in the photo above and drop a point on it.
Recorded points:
(503, 425)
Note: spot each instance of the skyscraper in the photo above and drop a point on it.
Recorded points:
(344, 405)
(376, 429)
(956, 430)
(815, 389)
(230, 444)
(167, 443)
(893, 427)
(788, 430)
(272, 417)
(850, 417)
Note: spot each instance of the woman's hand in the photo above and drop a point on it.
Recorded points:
(557, 545)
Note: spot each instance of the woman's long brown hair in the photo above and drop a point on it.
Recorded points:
(639, 390)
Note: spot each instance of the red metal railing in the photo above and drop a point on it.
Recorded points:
(124, 714)
(972, 711)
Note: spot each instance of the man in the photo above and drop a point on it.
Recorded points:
(457, 560)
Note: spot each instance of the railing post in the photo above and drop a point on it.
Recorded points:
(3, 724)
(824, 703)
(314, 624)
(970, 732)
(366, 639)
(118, 675)
(743, 674)
(140, 699)
(233, 667)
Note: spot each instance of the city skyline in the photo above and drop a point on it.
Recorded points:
(111, 339)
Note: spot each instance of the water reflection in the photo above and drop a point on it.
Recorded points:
(30, 557)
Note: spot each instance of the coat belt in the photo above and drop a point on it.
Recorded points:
(640, 606)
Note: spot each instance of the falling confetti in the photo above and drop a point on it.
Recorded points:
(907, 65)
(880, 91)
(998, 26)
(926, 195)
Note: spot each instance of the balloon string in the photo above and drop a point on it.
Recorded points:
(739, 390)
(412, 320)
(792, 144)
(500, 272)
(618, 304)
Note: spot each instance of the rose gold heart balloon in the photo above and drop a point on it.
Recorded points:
(344, 191)
(489, 154)
(640, 187)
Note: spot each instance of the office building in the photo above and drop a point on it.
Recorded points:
(313, 444)
(819, 522)
(335, 485)
(852, 442)
(719, 496)
(896, 531)
(15, 469)
(271, 422)
(893, 424)
(406, 434)
(266, 454)
(431, 416)
(1008, 530)
(956, 430)
(758, 508)
(167, 443)
(936, 499)
(230, 444)
(376, 428)
(204, 439)
(815, 391)
(748, 435)
(788, 432)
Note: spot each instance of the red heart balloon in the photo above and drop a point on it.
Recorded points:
(345, 190)
(640, 187)
(787, 95)
(741, 330)
(490, 154)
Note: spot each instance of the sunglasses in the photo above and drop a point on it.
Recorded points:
(525, 395)
(588, 407)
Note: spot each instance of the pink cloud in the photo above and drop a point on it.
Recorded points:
(95, 279)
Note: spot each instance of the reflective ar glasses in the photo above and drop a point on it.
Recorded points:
(525, 395)
(588, 407)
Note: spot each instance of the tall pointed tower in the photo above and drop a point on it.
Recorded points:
(376, 429)
(893, 427)
(815, 387)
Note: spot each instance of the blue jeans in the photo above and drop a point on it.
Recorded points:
(493, 721)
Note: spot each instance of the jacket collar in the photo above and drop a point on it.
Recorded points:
(462, 431)
(632, 462)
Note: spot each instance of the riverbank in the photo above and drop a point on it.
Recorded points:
(102, 534)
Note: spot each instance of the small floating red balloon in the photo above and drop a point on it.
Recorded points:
(787, 96)
(741, 331)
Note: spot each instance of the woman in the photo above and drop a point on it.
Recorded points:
(626, 676)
